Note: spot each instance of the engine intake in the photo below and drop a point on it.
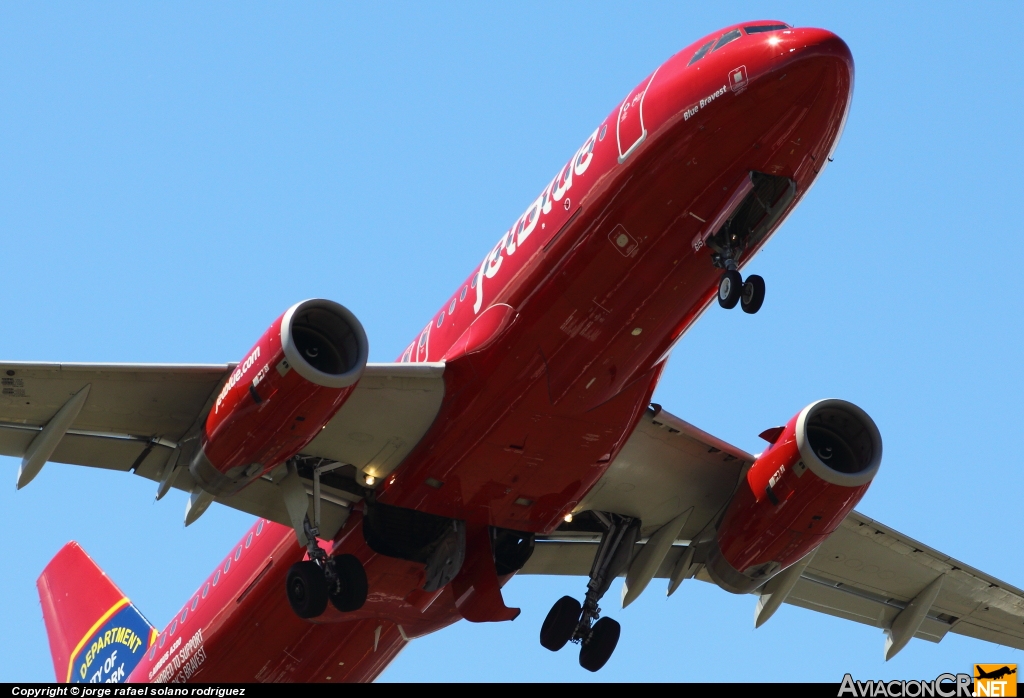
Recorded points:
(796, 493)
(324, 343)
(839, 442)
(289, 385)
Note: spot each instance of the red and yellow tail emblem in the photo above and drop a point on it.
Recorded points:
(96, 635)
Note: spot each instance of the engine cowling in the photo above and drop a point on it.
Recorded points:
(288, 386)
(796, 493)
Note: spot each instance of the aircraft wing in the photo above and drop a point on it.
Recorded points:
(865, 571)
(136, 415)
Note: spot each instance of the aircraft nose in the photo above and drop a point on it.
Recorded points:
(800, 44)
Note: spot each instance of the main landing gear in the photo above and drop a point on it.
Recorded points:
(312, 583)
(569, 621)
(732, 289)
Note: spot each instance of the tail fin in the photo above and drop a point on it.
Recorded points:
(96, 634)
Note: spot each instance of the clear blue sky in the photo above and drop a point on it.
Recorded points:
(174, 175)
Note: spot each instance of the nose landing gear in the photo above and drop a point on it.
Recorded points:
(732, 290)
(569, 621)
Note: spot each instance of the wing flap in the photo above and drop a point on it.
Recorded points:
(994, 635)
(561, 558)
(102, 451)
(263, 499)
(95, 450)
(14, 439)
(574, 558)
(818, 595)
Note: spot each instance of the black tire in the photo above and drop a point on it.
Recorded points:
(560, 624)
(596, 651)
(307, 589)
(730, 288)
(349, 594)
(753, 294)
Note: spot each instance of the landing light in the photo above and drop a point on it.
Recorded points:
(568, 517)
(370, 479)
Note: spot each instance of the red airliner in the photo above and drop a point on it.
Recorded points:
(515, 433)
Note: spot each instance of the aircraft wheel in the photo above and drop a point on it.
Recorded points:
(730, 288)
(307, 589)
(560, 623)
(596, 651)
(349, 594)
(753, 294)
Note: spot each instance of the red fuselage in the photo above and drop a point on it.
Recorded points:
(553, 347)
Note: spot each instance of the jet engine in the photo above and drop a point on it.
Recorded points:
(288, 386)
(796, 493)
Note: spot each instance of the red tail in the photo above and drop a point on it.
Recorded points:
(96, 634)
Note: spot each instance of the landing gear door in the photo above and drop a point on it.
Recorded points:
(739, 193)
(630, 131)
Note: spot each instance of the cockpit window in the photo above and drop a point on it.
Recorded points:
(727, 38)
(765, 28)
(701, 52)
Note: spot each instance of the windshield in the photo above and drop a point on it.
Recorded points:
(701, 52)
(727, 38)
(765, 28)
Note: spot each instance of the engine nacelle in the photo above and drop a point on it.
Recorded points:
(281, 395)
(797, 492)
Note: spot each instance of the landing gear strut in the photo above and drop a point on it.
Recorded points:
(569, 621)
(312, 583)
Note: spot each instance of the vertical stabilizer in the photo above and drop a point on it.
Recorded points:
(96, 634)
